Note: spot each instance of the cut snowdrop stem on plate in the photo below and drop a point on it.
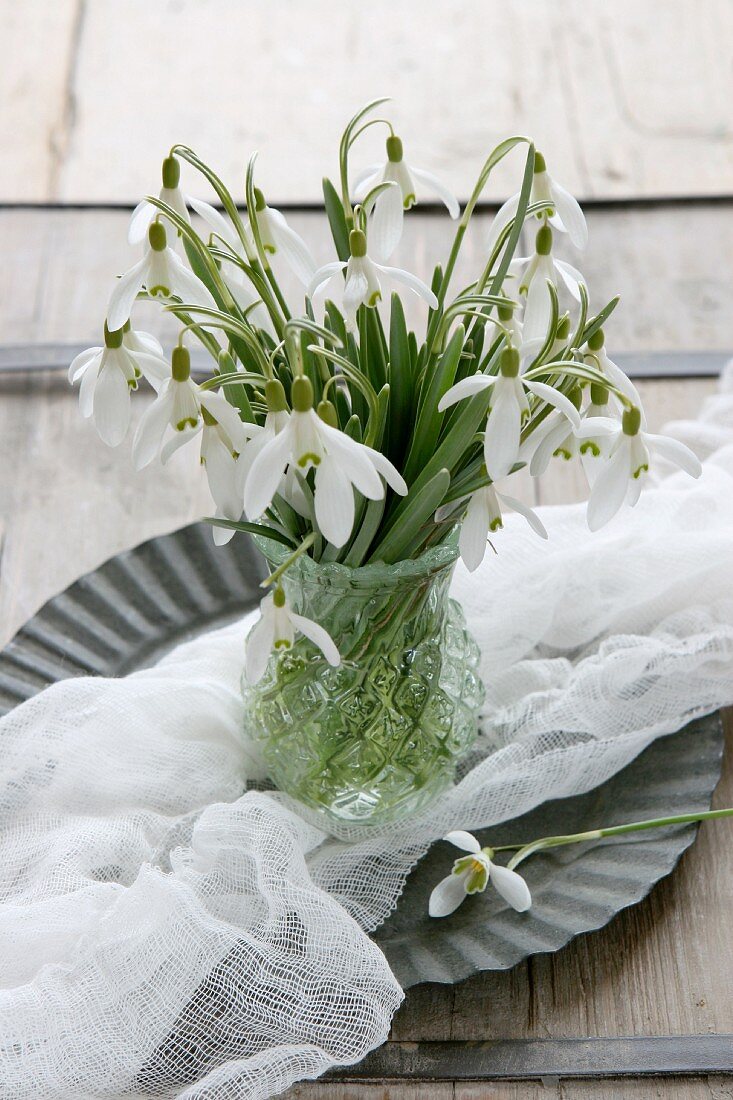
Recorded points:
(376, 439)
(472, 873)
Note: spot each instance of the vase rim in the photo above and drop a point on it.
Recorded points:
(373, 574)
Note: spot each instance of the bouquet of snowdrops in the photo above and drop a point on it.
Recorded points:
(326, 425)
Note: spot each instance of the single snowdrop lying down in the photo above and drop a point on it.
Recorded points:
(471, 874)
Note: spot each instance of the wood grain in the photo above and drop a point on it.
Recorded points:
(625, 99)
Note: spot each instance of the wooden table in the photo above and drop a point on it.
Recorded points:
(662, 969)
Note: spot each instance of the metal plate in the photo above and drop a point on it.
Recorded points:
(138, 605)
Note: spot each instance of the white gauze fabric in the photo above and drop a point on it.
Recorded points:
(165, 933)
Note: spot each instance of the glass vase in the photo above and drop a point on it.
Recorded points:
(378, 737)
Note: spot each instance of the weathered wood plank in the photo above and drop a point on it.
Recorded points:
(586, 80)
(671, 265)
(706, 1088)
(38, 54)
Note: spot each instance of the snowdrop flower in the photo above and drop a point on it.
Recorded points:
(277, 236)
(483, 516)
(538, 269)
(275, 631)
(629, 456)
(179, 406)
(162, 273)
(509, 406)
(390, 204)
(597, 356)
(363, 286)
(144, 213)
(223, 438)
(566, 214)
(107, 375)
(341, 465)
(471, 874)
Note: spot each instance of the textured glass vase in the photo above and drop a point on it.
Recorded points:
(378, 737)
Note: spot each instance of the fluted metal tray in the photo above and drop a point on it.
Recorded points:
(141, 603)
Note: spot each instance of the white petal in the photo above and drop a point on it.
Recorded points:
(154, 367)
(259, 647)
(111, 405)
(501, 439)
(609, 490)
(472, 543)
(86, 389)
(571, 215)
(178, 440)
(294, 249)
(467, 842)
(323, 275)
(447, 896)
(124, 293)
(138, 341)
(150, 430)
(226, 415)
(417, 286)
(524, 510)
(675, 452)
(434, 184)
(511, 887)
(356, 289)
(221, 474)
(216, 221)
(556, 399)
(185, 284)
(467, 387)
(592, 426)
(547, 446)
(390, 474)
(140, 220)
(80, 362)
(538, 311)
(385, 227)
(366, 179)
(334, 501)
(265, 474)
(320, 637)
(502, 217)
(222, 535)
(572, 278)
(354, 461)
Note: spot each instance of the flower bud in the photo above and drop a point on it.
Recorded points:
(157, 236)
(327, 413)
(563, 328)
(394, 149)
(278, 596)
(631, 421)
(181, 364)
(506, 311)
(543, 243)
(598, 394)
(112, 339)
(171, 173)
(357, 243)
(509, 363)
(301, 394)
(275, 396)
(597, 340)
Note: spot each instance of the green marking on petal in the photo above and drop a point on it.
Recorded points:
(589, 447)
(303, 460)
(496, 525)
(159, 291)
(187, 422)
(644, 468)
(562, 452)
(376, 297)
(409, 200)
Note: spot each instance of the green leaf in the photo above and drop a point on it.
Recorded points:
(429, 420)
(366, 532)
(251, 528)
(598, 321)
(400, 384)
(336, 220)
(419, 507)
(513, 241)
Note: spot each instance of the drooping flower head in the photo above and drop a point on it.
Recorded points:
(471, 874)
(275, 633)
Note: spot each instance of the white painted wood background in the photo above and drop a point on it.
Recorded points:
(627, 98)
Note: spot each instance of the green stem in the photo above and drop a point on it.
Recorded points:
(614, 830)
(305, 545)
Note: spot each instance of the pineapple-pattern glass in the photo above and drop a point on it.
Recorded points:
(377, 738)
